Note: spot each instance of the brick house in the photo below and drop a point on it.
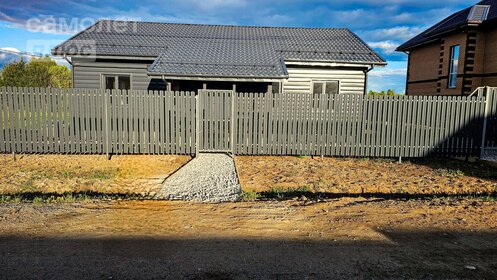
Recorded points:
(456, 55)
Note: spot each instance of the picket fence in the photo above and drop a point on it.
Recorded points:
(87, 121)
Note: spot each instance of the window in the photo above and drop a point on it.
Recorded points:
(117, 82)
(123, 82)
(110, 82)
(454, 63)
(328, 87)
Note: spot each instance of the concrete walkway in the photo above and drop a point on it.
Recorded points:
(206, 178)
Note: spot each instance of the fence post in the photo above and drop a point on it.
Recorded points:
(232, 121)
(485, 119)
(197, 123)
(106, 115)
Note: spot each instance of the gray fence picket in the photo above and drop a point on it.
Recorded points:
(3, 120)
(38, 120)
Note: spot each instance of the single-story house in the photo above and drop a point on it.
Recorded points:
(456, 55)
(187, 57)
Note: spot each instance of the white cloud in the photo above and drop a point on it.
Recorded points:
(427, 16)
(274, 20)
(387, 47)
(392, 76)
(144, 14)
(210, 5)
(366, 19)
(53, 25)
(353, 14)
(9, 49)
(7, 18)
(60, 61)
(388, 72)
(401, 33)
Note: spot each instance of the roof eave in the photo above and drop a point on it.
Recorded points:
(160, 74)
(72, 37)
(127, 57)
(358, 63)
(213, 78)
(437, 36)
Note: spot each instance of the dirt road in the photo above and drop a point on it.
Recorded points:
(343, 238)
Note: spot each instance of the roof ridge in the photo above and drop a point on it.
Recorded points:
(241, 44)
(451, 22)
(224, 25)
(429, 30)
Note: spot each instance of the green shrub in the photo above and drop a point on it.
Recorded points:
(452, 173)
(286, 192)
(250, 195)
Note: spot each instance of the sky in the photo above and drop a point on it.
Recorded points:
(37, 26)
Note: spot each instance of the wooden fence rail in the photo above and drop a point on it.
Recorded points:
(84, 121)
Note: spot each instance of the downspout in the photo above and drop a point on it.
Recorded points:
(407, 74)
(72, 69)
(366, 78)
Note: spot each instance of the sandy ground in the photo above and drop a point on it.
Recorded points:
(297, 238)
(356, 176)
(341, 239)
(137, 174)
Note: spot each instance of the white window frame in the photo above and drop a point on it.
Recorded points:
(324, 87)
(116, 82)
(452, 78)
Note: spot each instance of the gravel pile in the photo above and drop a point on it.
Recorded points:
(206, 178)
(490, 155)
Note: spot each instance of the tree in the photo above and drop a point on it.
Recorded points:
(41, 72)
(13, 74)
(37, 73)
(390, 92)
(60, 76)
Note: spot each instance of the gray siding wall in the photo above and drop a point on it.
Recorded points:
(88, 73)
(300, 78)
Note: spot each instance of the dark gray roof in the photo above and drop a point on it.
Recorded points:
(470, 15)
(217, 50)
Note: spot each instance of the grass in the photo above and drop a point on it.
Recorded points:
(385, 160)
(29, 186)
(31, 182)
(275, 193)
(281, 193)
(104, 174)
(301, 156)
(46, 198)
(67, 173)
(250, 195)
(451, 173)
(488, 198)
(316, 195)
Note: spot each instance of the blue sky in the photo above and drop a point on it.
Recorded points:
(36, 26)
